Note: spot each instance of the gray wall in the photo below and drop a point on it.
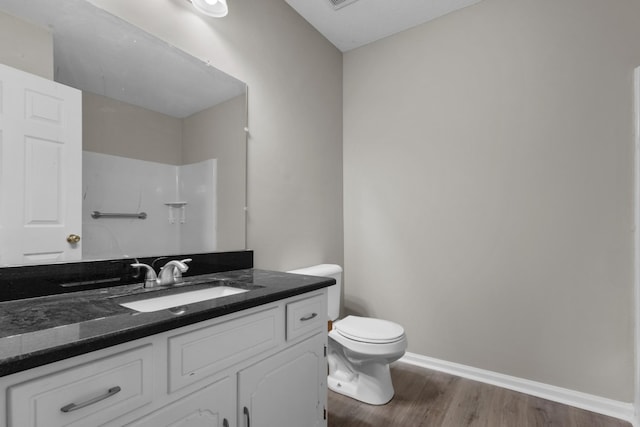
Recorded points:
(25, 46)
(488, 188)
(120, 129)
(218, 132)
(295, 117)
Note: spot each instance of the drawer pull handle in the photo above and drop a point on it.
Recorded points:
(308, 317)
(72, 406)
(246, 413)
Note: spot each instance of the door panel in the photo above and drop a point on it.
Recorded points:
(40, 169)
(212, 406)
(286, 389)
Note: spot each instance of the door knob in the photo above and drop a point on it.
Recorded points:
(73, 238)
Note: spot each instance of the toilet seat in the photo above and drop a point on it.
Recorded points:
(369, 330)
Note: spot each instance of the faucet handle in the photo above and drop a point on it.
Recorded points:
(175, 264)
(182, 267)
(171, 272)
(150, 279)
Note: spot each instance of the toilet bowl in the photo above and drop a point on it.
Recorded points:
(360, 348)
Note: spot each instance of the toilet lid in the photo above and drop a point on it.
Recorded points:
(369, 330)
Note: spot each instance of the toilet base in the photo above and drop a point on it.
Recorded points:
(371, 383)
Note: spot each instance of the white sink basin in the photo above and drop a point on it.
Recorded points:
(168, 301)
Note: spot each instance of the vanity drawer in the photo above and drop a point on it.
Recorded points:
(197, 354)
(306, 316)
(87, 395)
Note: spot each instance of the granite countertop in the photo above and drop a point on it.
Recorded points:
(37, 331)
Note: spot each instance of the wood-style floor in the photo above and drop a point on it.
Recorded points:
(429, 398)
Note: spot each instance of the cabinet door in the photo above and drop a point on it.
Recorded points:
(212, 406)
(40, 169)
(287, 389)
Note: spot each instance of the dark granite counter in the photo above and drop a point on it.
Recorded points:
(41, 330)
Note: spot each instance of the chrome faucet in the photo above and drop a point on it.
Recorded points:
(150, 279)
(171, 272)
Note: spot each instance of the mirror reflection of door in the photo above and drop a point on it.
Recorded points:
(41, 171)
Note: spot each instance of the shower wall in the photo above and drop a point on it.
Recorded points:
(180, 203)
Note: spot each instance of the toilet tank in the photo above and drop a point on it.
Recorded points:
(327, 270)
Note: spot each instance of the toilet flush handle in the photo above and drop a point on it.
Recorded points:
(308, 317)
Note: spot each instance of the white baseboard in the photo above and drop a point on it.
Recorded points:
(601, 405)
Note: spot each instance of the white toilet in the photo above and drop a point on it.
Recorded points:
(360, 348)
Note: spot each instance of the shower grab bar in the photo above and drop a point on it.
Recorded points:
(98, 214)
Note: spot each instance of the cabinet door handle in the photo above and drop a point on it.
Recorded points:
(308, 317)
(246, 414)
(225, 423)
(73, 406)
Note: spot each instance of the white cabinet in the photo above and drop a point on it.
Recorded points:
(298, 375)
(306, 316)
(269, 359)
(199, 353)
(90, 394)
(213, 406)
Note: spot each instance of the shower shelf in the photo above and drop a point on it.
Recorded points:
(177, 205)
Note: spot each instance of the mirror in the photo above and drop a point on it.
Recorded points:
(164, 134)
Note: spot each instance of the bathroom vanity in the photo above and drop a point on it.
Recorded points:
(256, 358)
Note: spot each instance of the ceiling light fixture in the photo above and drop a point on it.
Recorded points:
(215, 8)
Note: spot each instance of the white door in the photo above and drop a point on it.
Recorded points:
(40, 169)
(286, 389)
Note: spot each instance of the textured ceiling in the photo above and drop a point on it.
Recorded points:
(364, 21)
(97, 52)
